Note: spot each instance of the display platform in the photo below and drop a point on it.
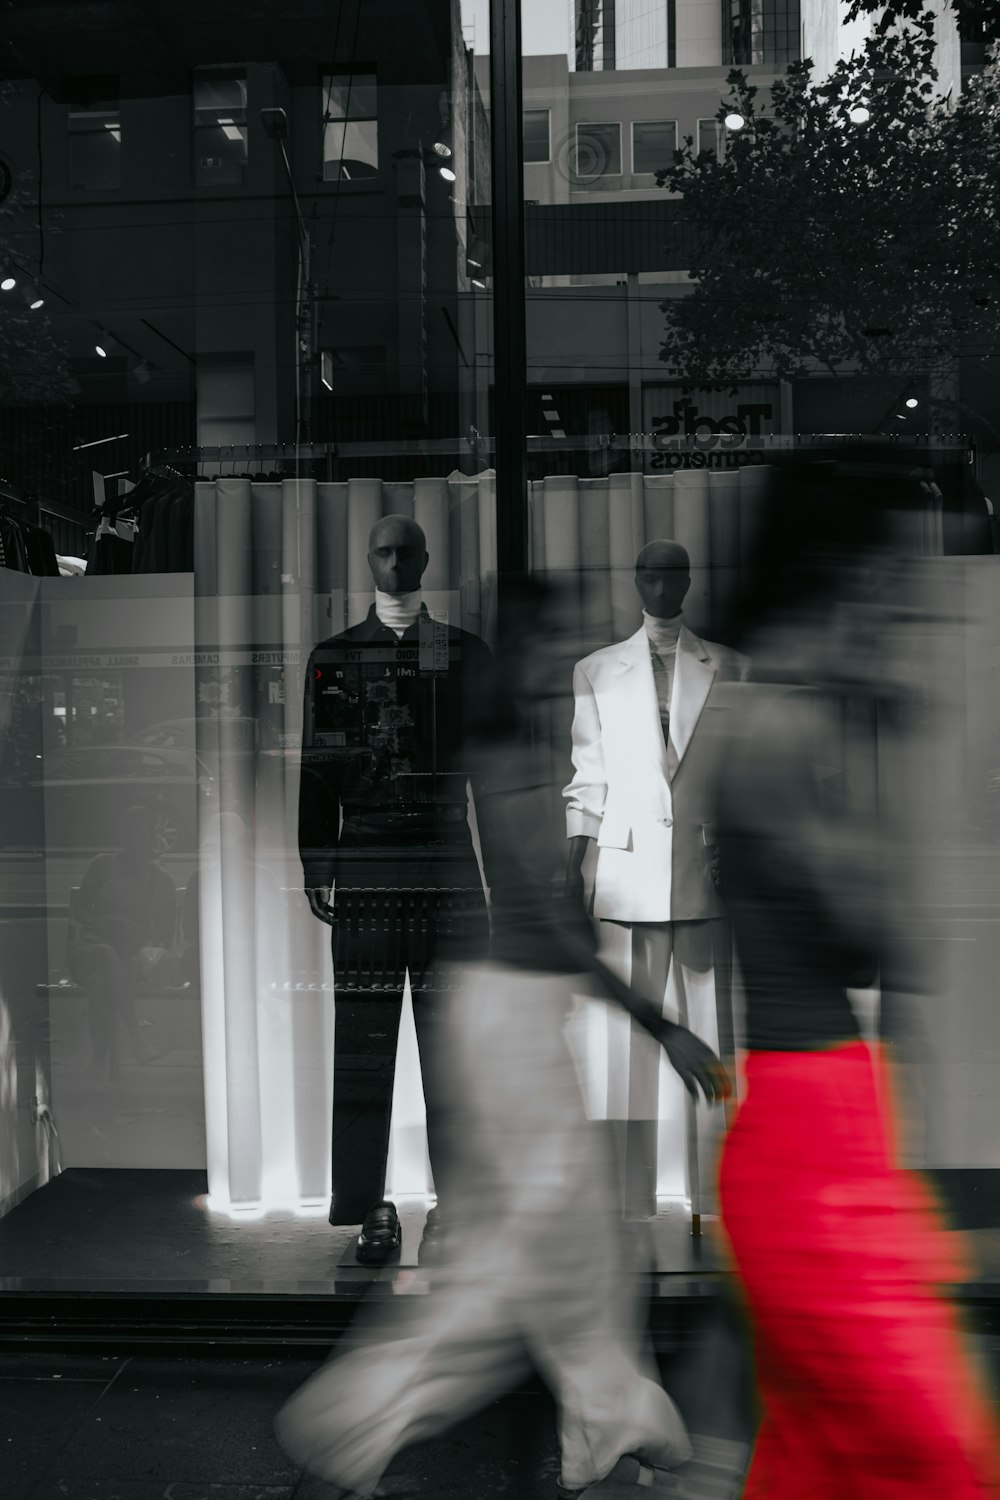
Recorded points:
(126, 1258)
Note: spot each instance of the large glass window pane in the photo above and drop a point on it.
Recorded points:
(681, 346)
(219, 381)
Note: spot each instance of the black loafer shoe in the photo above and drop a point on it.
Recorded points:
(381, 1237)
(433, 1246)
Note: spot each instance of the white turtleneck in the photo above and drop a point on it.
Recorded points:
(663, 636)
(398, 611)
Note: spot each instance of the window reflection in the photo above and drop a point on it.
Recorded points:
(350, 127)
(95, 145)
(220, 129)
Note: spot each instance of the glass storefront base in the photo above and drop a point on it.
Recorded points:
(114, 1259)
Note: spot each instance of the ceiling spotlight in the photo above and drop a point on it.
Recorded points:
(105, 344)
(476, 265)
(8, 284)
(912, 402)
(447, 174)
(477, 281)
(33, 296)
(734, 121)
(442, 149)
(143, 372)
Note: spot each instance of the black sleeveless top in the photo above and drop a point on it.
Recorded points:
(803, 938)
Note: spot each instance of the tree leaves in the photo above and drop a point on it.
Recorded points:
(826, 242)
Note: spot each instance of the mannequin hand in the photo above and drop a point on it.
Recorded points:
(695, 1064)
(318, 897)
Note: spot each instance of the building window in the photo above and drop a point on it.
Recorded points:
(653, 144)
(220, 129)
(598, 149)
(537, 146)
(711, 138)
(350, 127)
(764, 32)
(594, 34)
(95, 145)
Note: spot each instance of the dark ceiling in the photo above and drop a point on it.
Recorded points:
(152, 46)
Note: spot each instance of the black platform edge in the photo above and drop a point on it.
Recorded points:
(228, 1323)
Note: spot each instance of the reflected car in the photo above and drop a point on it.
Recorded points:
(241, 735)
(79, 795)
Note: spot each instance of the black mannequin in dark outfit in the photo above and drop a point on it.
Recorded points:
(383, 817)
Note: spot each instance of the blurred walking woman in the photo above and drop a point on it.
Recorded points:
(533, 1269)
(865, 1388)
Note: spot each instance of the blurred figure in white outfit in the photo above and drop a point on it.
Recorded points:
(539, 1271)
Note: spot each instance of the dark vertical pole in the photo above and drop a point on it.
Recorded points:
(509, 344)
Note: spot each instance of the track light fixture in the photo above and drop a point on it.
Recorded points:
(8, 283)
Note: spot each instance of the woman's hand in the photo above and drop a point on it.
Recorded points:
(694, 1063)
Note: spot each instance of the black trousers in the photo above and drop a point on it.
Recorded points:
(397, 911)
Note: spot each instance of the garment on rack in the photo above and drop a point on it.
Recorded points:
(13, 552)
(112, 548)
(164, 502)
(41, 552)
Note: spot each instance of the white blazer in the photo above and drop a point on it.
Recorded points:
(653, 862)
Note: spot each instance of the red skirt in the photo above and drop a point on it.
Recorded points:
(866, 1389)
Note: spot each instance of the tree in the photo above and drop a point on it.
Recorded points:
(851, 227)
(33, 363)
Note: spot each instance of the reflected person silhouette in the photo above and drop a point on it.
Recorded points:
(539, 1271)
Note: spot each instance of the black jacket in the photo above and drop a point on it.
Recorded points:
(383, 722)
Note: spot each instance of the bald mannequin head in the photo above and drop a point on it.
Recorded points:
(662, 577)
(397, 554)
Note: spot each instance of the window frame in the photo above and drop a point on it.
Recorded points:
(220, 75)
(545, 161)
(589, 125)
(642, 171)
(328, 76)
(720, 135)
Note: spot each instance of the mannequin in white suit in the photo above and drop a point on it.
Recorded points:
(643, 749)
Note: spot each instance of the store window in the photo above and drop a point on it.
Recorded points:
(653, 144)
(220, 129)
(95, 146)
(537, 141)
(350, 127)
(598, 149)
